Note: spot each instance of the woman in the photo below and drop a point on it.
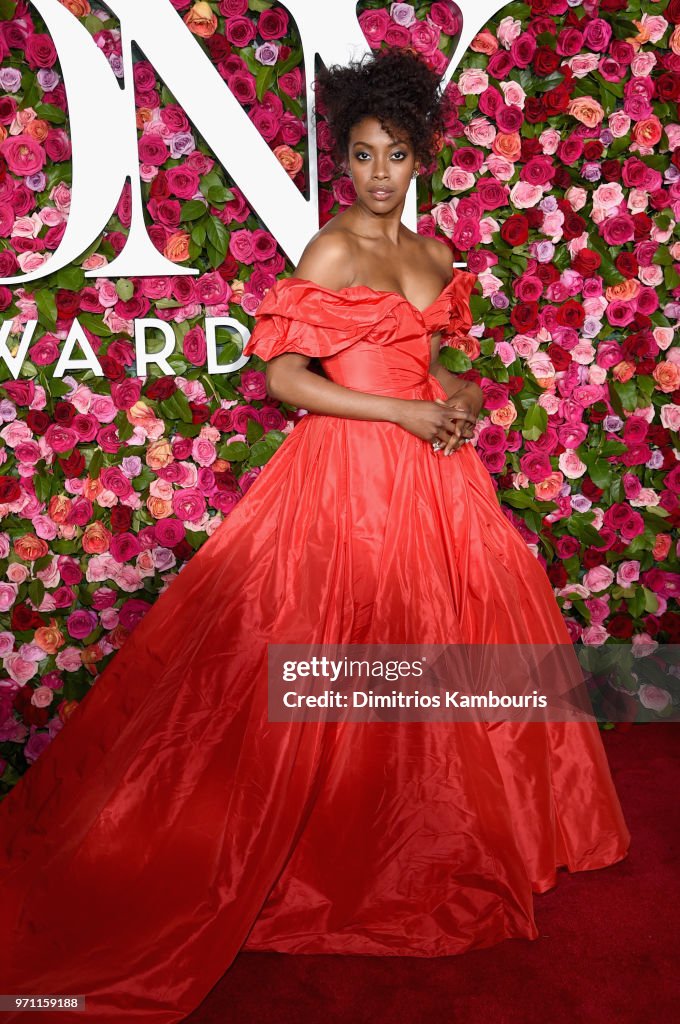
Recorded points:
(173, 821)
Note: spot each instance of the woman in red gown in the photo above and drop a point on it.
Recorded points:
(170, 823)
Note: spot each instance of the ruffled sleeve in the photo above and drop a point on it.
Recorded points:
(301, 316)
(459, 313)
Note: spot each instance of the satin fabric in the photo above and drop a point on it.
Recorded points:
(170, 824)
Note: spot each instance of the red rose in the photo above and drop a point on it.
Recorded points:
(592, 493)
(669, 623)
(668, 88)
(626, 263)
(557, 574)
(545, 61)
(534, 110)
(159, 187)
(559, 357)
(161, 388)
(74, 465)
(547, 273)
(593, 149)
(620, 626)
(611, 170)
(571, 314)
(534, 216)
(556, 100)
(524, 316)
(68, 304)
(573, 226)
(64, 412)
(643, 225)
(37, 421)
(121, 518)
(515, 230)
(10, 489)
(586, 262)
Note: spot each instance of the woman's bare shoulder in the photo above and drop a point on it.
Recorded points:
(327, 259)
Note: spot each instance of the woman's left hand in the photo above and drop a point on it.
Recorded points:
(466, 406)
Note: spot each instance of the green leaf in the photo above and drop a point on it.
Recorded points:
(600, 472)
(454, 360)
(192, 210)
(535, 422)
(254, 431)
(95, 324)
(71, 278)
(47, 308)
(95, 463)
(627, 392)
(263, 80)
(50, 112)
(8, 9)
(36, 591)
(125, 289)
(237, 451)
(219, 194)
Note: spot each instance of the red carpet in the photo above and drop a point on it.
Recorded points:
(607, 952)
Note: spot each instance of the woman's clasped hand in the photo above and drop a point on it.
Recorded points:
(447, 423)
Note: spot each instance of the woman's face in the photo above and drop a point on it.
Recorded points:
(381, 165)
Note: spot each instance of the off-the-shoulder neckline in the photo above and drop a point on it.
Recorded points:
(375, 291)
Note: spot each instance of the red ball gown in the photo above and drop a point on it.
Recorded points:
(170, 824)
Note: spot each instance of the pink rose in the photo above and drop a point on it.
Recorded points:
(23, 154)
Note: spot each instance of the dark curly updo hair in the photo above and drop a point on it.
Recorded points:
(394, 85)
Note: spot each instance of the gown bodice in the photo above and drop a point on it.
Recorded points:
(367, 340)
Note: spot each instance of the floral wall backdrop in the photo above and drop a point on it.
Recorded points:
(558, 180)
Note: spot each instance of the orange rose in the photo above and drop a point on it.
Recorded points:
(647, 132)
(92, 489)
(96, 539)
(667, 376)
(37, 129)
(289, 159)
(177, 247)
(59, 508)
(623, 371)
(159, 454)
(237, 290)
(586, 110)
(624, 291)
(504, 416)
(159, 508)
(674, 41)
(548, 489)
(507, 144)
(200, 20)
(144, 115)
(80, 8)
(67, 707)
(466, 344)
(30, 547)
(140, 415)
(49, 638)
(484, 42)
(90, 656)
(661, 547)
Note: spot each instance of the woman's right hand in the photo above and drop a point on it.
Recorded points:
(431, 421)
